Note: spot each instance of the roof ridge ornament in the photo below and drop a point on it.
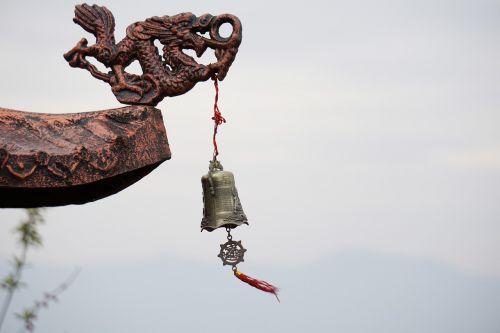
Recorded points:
(171, 74)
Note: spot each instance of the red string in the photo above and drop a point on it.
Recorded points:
(217, 118)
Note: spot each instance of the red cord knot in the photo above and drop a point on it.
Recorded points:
(217, 118)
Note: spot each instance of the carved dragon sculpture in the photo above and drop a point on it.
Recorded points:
(173, 74)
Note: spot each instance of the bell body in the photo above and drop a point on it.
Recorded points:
(221, 204)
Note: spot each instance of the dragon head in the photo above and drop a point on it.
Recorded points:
(190, 30)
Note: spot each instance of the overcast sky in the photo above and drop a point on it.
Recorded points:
(364, 140)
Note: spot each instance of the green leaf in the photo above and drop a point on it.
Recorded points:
(10, 282)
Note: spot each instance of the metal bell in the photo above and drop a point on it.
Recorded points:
(221, 204)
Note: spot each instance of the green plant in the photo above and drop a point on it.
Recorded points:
(29, 237)
(30, 314)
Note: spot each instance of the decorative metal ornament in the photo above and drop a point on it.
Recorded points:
(231, 252)
(221, 204)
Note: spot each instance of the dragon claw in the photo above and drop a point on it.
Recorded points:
(82, 43)
(77, 60)
(120, 86)
(76, 56)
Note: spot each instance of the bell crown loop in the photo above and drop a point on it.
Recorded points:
(215, 165)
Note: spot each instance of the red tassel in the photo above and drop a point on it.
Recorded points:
(261, 285)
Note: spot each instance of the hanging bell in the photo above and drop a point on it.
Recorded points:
(221, 204)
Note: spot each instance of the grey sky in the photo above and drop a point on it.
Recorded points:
(353, 127)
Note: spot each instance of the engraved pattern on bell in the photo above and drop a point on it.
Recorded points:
(231, 253)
